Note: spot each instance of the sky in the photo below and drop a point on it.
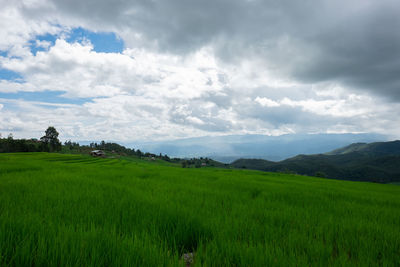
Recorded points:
(128, 70)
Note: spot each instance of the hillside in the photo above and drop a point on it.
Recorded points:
(374, 162)
(74, 210)
(373, 149)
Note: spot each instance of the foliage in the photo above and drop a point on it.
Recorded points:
(375, 162)
(19, 145)
(50, 143)
(50, 140)
(74, 210)
(201, 162)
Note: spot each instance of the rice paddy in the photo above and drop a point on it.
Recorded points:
(75, 210)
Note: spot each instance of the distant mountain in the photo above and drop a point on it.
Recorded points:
(377, 148)
(229, 148)
(348, 149)
(374, 162)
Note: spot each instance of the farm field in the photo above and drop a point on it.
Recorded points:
(74, 210)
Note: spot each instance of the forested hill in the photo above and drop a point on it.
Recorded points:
(374, 162)
(373, 149)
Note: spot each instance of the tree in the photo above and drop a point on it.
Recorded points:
(197, 164)
(184, 164)
(320, 174)
(50, 140)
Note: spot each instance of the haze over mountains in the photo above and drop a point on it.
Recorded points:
(275, 148)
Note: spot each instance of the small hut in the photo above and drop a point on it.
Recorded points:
(97, 153)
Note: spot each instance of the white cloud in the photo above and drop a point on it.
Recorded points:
(266, 102)
(81, 72)
(187, 71)
(17, 28)
(14, 87)
(141, 94)
(43, 44)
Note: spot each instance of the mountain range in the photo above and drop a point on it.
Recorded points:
(373, 162)
(232, 147)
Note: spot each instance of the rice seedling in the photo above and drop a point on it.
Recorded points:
(74, 210)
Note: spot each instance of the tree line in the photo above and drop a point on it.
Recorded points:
(50, 143)
(47, 143)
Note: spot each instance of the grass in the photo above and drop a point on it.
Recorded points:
(73, 210)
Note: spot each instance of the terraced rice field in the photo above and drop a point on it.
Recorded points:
(73, 210)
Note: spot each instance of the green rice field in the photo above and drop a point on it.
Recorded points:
(75, 210)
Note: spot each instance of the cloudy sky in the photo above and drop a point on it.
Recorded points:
(165, 69)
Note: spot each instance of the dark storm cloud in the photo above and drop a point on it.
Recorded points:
(355, 43)
(362, 51)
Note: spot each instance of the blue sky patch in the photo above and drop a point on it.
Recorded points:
(34, 44)
(54, 97)
(9, 75)
(106, 42)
